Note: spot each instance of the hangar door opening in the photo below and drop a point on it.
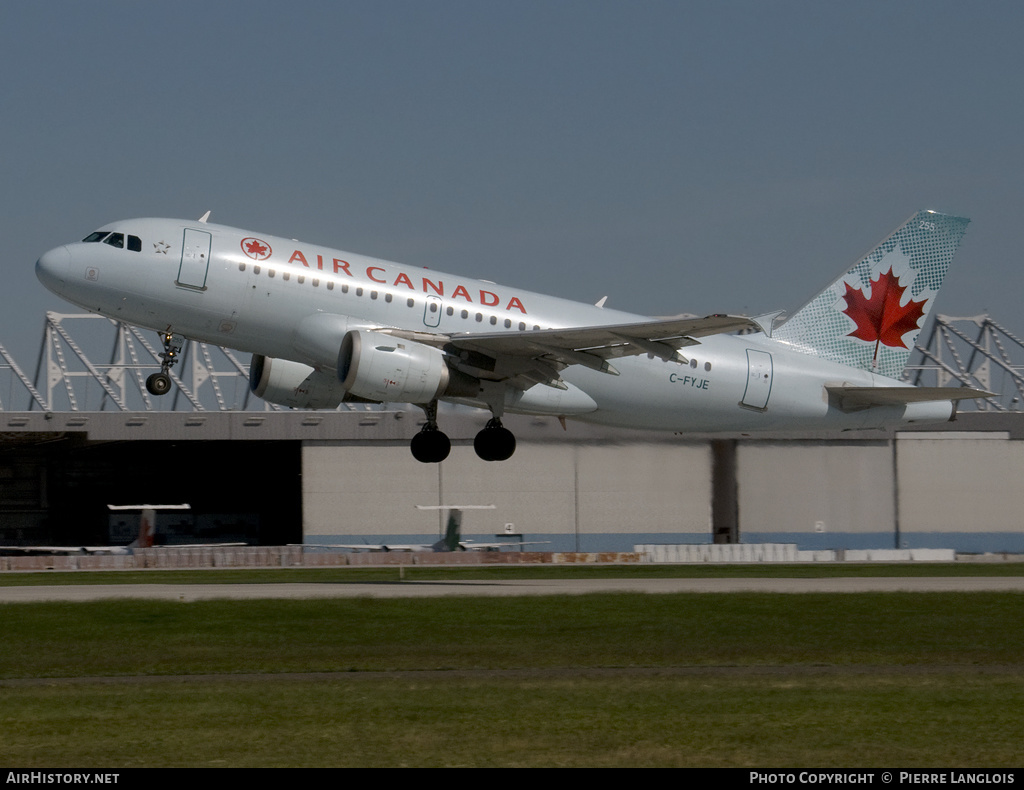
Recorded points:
(244, 491)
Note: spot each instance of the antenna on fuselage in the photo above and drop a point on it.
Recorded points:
(205, 217)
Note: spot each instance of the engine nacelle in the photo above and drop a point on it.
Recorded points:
(384, 368)
(293, 384)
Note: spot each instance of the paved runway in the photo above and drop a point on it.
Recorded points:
(512, 587)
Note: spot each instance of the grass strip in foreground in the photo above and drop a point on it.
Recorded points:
(902, 679)
(953, 719)
(132, 637)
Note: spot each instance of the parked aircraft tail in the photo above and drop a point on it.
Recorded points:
(452, 533)
(147, 522)
(147, 530)
(871, 316)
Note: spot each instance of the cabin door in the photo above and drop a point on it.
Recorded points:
(195, 259)
(759, 380)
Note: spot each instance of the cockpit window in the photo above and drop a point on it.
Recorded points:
(115, 240)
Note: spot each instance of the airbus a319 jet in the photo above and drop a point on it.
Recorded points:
(326, 327)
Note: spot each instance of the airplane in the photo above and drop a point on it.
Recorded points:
(326, 327)
(452, 540)
(144, 540)
(147, 529)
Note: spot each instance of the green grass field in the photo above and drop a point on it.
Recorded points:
(885, 720)
(748, 680)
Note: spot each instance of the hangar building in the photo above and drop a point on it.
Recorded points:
(276, 476)
(321, 477)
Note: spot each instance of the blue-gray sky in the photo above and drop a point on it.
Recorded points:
(676, 156)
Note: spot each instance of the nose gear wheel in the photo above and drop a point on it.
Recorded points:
(160, 383)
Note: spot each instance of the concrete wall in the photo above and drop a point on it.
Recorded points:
(957, 490)
(961, 482)
(933, 490)
(589, 489)
(353, 490)
(548, 491)
(815, 488)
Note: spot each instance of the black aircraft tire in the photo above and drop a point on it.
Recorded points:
(158, 384)
(430, 447)
(495, 444)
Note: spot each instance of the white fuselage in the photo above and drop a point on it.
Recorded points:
(291, 300)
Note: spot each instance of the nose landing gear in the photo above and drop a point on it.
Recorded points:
(160, 383)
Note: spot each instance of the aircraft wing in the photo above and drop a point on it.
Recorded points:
(60, 550)
(662, 338)
(368, 546)
(470, 545)
(42, 550)
(537, 356)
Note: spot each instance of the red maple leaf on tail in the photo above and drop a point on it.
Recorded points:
(881, 318)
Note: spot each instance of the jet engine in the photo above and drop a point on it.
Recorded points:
(293, 384)
(384, 368)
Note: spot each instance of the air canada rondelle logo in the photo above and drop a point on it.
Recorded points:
(257, 249)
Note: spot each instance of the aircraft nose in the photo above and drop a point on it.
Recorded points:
(52, 268)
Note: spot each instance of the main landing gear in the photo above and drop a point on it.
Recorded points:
(160, 383)
(494, 442)
(431, 445)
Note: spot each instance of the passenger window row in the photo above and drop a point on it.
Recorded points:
(388, 297)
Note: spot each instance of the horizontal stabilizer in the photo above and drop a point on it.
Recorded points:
(863, 397)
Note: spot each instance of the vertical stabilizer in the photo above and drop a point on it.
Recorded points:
(871, 316)
(452, 533)
(147, 529)
(147, 522)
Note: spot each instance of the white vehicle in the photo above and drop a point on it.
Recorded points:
(327, 326)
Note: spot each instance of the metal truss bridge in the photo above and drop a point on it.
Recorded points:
(972, 352)
(90, 363)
